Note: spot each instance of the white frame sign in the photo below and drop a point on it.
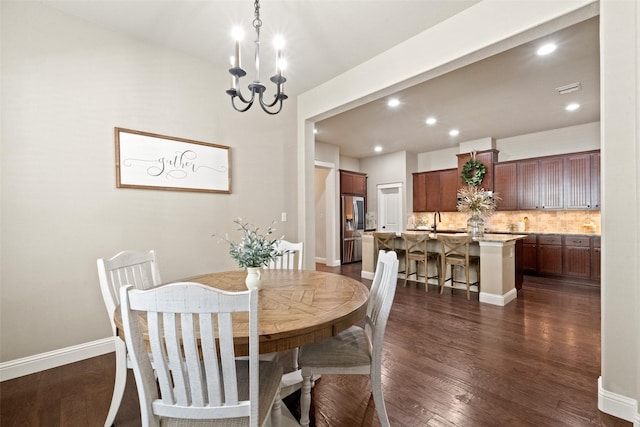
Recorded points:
(158, 162)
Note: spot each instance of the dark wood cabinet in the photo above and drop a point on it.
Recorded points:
(487, 158)
(505, 185)
(527, 184)
(551, 183)
(570, 256)
(419, 192)
(432, 189)
(595, 258)
(530, 254)
(435, 191)
(550, 254)
(576, 255)
(582, 181)
(449, 190)
(595, 181)
(353, 183)
(570, 181)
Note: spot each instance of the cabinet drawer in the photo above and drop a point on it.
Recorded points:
(530, 239)
(550, 240)
(577, 241)
(596, 242)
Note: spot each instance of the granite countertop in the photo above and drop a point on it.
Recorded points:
(489, 231)
(488, 237)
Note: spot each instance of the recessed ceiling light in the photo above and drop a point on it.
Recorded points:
(378, 149)
(431, 121)
(315, 130)
(546, 49)
(572, 107)
(393, 102)
(454, 132)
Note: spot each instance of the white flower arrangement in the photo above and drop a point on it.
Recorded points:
(253, 249)
(477, 201)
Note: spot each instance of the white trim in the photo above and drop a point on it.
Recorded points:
(501, 300)
(366, 275)
(618, 405)
(332, 232)
(53, 359)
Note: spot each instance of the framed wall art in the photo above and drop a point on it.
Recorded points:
(151, 161)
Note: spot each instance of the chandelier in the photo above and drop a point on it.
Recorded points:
(256, 87)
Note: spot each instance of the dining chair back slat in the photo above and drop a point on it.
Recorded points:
(190, 330)
(291, 257)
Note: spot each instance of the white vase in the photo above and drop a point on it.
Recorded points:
(254, 278)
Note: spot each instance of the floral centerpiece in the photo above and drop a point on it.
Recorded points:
(253, 250)
(480, 204)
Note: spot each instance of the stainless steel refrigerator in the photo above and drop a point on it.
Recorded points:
(353, 221)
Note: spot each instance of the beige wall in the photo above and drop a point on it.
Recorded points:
(65, 84)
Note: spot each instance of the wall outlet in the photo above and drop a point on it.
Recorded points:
(284, 217)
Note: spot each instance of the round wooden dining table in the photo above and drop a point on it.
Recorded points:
(294, 307)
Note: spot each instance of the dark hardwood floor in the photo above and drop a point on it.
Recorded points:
(447, 362)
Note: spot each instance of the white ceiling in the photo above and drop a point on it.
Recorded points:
(509, 94)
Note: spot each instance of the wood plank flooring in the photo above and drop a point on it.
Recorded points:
(447, 362)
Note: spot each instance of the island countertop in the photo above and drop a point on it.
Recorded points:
(488, 237)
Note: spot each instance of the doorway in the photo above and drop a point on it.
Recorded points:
(390, 207)
(325, 214)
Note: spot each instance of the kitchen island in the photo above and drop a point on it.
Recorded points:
(497, 260)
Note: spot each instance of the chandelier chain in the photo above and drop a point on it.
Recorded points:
(257, 22)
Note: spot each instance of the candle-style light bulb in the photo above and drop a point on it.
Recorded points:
(238, 34)
(278, 43)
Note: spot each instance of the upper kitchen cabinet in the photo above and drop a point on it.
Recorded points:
(449, 190)
(353, 183)
(582, 181)
(528, 193)
(420, 192)
(570, 181)
(435, 191)
(488, 158)
(551, 182)
(595, 180)
(505, 185)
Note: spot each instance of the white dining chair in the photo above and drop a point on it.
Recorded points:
(139, 269)
(190, 330)
(290, 258)
(356, 350)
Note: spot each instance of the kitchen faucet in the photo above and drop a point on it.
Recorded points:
(435, 227)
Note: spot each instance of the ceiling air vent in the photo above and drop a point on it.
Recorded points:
(573, 87)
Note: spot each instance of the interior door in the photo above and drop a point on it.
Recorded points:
(390, 208)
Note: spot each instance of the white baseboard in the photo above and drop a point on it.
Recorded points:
(320, 260)
(366, 275)
(501, 300)
(53, 359)
(618, 405)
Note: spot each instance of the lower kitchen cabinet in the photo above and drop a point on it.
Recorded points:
(595, 258)
(576, 255)
(550, 254)
(570, 256)
(530, 253)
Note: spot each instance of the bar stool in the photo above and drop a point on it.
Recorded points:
(386, 241)
(416, 250)
(455, 252)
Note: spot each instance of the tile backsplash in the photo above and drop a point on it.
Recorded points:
(564, 222)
